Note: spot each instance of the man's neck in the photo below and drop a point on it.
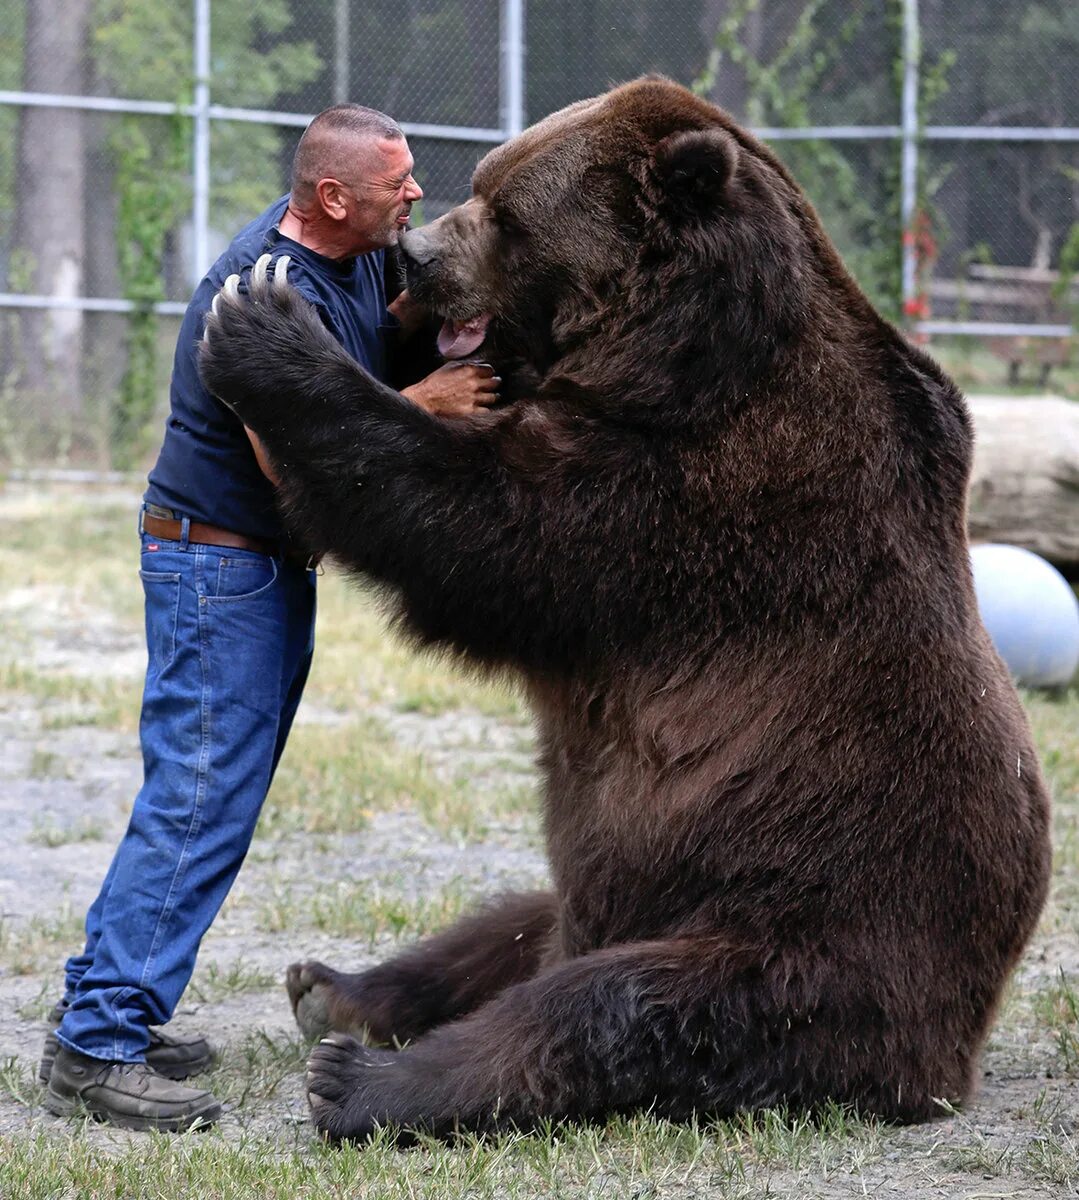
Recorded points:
(309, 232)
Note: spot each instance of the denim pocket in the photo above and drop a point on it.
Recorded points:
(162, 592)
(242, 576)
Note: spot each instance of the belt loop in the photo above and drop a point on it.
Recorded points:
(142, 513)
(185, 531)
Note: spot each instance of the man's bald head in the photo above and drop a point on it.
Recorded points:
(335, 143)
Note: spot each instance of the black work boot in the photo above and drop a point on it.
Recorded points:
(173, 1057)
(129, 1095)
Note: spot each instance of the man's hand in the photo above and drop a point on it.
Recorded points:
(456, 389)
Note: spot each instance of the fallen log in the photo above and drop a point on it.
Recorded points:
(1024, 489)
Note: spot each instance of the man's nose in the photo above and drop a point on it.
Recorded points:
(413, 191)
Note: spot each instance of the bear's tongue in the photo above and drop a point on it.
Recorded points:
(458, 339)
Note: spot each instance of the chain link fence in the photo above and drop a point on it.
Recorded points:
(939, 140)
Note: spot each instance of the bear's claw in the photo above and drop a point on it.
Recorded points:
(341, 1090)
(260, 281)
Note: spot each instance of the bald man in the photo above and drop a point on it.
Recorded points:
(230, 608)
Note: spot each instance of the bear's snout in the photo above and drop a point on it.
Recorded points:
(418, 249)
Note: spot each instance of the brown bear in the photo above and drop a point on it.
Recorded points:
(796, 827)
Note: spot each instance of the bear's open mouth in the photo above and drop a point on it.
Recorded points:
(459, 339)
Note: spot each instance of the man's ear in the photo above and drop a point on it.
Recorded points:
(328, 194)
(695, 168)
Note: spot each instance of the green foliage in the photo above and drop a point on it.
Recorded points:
(143, 49)
(780, 91)
(854, 185)
(12, 29)
(256, 59)
(152, 194)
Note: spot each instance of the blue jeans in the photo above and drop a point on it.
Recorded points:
(230, 634)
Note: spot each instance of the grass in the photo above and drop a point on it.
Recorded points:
(637, 1157)
(375, 910)
(336, 777)
(976, 369)
(50, 833)
(27, 947)
(213, 982)
(370, 911)
(1057, 1008)
(67, 700)
(357, 660)
(352, 763)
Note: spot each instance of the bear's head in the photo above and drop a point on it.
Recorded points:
(645, 218)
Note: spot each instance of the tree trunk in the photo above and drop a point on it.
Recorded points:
(1025, 486)
(49, 209)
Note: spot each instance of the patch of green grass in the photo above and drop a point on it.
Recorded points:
(1056, 1008)
(213, 982)
(358, 656)
(636, 1157)
(46, 764)
(824, 1142)
(255, 1068)
(335, 777)
(18, 1079)
(49, 832)
(27, 947)
(981, 1157)
(1053, 1158)
(279, 910)
(375, 910)
(73, 699)
(1051, 1155)
(975, 368)
(1055, 724)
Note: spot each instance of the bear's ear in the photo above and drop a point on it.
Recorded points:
(694, 168)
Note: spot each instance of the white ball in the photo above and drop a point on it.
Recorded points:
(1031, 613)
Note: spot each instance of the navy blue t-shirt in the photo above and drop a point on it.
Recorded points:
(206, 469)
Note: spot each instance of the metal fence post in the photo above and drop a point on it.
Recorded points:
(512, 67)
(340, 51)
(200, 214)
(909, 163)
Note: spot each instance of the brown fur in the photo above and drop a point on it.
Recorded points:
(797, 832)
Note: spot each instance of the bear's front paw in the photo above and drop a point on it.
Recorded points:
(248, 352)
(350, 1088)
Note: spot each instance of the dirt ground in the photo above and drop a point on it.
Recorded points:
(66, 791)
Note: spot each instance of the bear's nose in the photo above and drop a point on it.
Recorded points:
(417, 248)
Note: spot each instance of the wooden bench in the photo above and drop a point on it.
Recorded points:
(1025, 295)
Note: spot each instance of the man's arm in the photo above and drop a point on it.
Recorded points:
(261, 457)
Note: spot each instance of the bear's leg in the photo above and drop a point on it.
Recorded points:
(677, 1027)
(441, 978)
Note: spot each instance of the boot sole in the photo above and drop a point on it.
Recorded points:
(64, 1106)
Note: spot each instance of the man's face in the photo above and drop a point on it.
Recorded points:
(378, 200)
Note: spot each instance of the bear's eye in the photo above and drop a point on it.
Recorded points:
(508, 223)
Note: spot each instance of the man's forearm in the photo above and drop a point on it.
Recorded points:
(261, 457)
(409, 312)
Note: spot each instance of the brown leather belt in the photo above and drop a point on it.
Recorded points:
(212, 535)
